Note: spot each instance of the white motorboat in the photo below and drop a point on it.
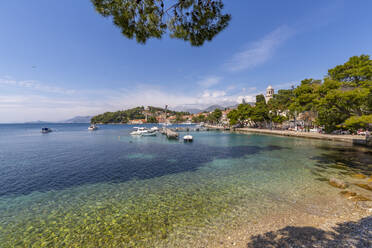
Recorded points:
(92, 127)
(155, 129)
(187, 138)
(187, 123)
(150, 133)
(46, 130)
(139, 131)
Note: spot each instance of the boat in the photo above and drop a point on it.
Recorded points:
(154, 129)
(139, 131)
(149, 133)
(92, 127)
(166, 124)
(187, 123)
(46, 130)
(201, 124)
(187, 138)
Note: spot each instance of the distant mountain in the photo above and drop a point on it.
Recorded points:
(236, 105)
(78, 119)
(193, 110)
(213, 107)
(37, 122)
(188, 108)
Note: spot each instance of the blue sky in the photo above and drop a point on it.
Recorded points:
(59, 59)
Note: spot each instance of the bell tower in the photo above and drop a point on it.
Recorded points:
(269, 93)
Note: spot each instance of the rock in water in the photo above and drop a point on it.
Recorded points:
(359, 176)
(348, 194)
(354, 196)
(337, 183)
(361, 198)
(367, 186)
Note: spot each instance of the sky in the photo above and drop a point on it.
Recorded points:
(60, 59)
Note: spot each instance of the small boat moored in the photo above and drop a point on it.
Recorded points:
(92, 127)
(155, 129)
(149, 133)
(139, 131)
(46, 130)
(187, 138)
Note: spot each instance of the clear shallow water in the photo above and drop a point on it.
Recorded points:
(78, 188)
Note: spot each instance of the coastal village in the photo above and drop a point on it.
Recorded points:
(338, 105)
(152, 114)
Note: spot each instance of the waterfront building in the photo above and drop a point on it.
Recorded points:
(139, 121)
(224, 119)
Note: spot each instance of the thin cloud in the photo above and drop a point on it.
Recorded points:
(34, 85)
(259, 52)
(209, 81)
(28, 105)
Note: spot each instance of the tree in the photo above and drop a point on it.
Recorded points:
(195, 21)
(356, 122)
(217, 113)
(152, 119)
(281, 101)
(215, 116)
(260, 112)
(239, 115)
(340, 104)
(260, 99)
(305, 100)
(356, 70)
(346, 93)
(179, 118)
(233, 116)
(198, 118)
(305, 95)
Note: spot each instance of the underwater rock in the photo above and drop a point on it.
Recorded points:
(359, 176)
(348, 194)
(360, 198)
(367, 186)
(337, 183)
(354, 196)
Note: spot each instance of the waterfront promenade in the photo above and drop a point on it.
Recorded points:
(355, 139)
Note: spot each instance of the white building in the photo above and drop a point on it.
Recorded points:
(269, 93)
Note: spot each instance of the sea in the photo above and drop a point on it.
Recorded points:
(78, 188)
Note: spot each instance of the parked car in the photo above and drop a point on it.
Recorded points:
(361, 132)
(336, 132)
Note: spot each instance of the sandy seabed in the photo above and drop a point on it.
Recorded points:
(338, 222)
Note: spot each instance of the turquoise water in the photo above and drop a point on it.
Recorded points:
(75, 188)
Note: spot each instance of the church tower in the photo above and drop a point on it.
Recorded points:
(269, 93)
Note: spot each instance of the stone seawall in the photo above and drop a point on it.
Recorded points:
(354, 139)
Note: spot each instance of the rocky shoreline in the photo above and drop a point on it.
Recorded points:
(345, 221)
(348, 224)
